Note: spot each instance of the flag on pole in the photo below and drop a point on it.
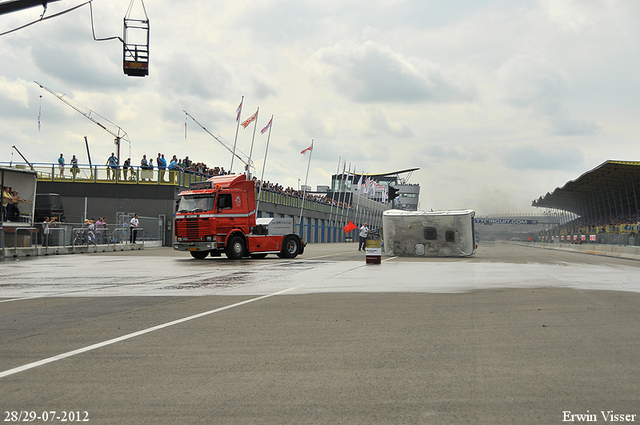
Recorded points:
(359, 183)
(266, 127)
(349, 227)
(238, 111)
(310, 148)
(39, 114)
(248, 121)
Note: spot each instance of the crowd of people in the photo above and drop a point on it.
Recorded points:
(312, 197)
(581, 223)
(161, 164)
(93, 231)
(10, 201)
(175, 164)
(201, 168)
(96, 231)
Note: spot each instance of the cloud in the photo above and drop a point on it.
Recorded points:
(263, 87)
(383, 124)
(536, 86)
(552, 157)
(74, 59)
(568, 126)
(533, 84)
(13, 96)
(370, 73)
(202, 77)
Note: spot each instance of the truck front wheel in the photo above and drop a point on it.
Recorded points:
(235, 248)
(199, 255)
(290, 247)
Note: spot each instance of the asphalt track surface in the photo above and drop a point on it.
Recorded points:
(513, 335)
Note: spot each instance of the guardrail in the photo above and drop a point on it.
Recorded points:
(15, 241)
(47, 236)
(66, 237)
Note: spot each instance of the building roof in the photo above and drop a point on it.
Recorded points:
(613, 185)
(391, 173)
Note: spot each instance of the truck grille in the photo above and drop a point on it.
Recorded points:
(192, 228)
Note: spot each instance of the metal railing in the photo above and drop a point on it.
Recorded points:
(67, 235)
(47, 237)
(83, 173)
(13, 236)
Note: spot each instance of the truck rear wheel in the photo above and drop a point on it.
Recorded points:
(199, 255)
(290, 247)
(235, 248)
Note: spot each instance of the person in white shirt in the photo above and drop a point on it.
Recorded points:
(364, 232)
(133, 228)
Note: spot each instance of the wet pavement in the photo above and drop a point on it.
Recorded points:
(511, 335)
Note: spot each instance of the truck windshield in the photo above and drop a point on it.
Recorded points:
(196, 203)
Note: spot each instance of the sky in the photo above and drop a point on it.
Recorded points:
(497, 102)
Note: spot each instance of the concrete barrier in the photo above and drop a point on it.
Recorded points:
(617, 251)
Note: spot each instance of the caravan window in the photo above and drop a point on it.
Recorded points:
(430, 233)
(450, 236)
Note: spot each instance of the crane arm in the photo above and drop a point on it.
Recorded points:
(218, 139)
(14, 5)
(119, 134)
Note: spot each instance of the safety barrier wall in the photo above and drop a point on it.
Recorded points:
(622, 234)
(618, 251)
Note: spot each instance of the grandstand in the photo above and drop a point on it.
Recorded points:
(600, 206)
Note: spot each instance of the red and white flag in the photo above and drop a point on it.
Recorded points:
(266, 127)
(238, 111)
(248, 121)
(310, 148)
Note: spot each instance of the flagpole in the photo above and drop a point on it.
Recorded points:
(344, 196)
(357, 210)
(354, 210)
(335, 220)
(264, 165)
(333, 201)
(252, 139)
(304, 192)
(235, 142)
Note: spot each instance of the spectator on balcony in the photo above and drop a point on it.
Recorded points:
(162, 165)
(74, 166)
(173, 165)
(112, 166)
(126, 167)
(61, 165)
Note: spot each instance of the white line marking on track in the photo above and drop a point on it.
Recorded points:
(139, 333)
(20, 299)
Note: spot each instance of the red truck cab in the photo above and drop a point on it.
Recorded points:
(219, 215)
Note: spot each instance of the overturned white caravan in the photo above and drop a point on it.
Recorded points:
(429, 233)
